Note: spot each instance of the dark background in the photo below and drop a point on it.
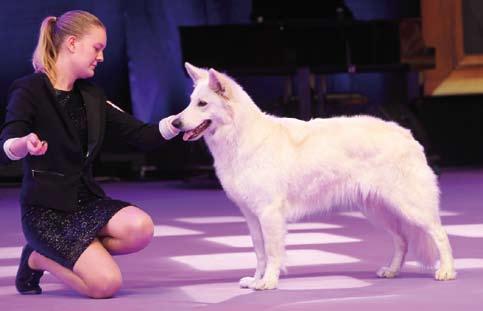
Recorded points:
(473, 26)
(143, 74)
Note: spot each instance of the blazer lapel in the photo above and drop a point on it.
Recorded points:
(93, 112)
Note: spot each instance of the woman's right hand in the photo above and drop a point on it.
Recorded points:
(30, 144)
(167, 129)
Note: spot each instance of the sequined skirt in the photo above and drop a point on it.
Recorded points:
(64, 236)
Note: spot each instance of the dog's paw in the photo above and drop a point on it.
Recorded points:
(387, 273)
(445, 274)
(246, 281)
(267, 282)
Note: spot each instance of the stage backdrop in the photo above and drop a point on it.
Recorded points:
(143, 38)
(158, 82)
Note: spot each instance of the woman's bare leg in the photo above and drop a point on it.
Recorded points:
(95, 274)
(128, 231)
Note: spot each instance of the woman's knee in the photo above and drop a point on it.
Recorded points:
(100, 275)
(105, 285)
(141, 228)
(137, 231)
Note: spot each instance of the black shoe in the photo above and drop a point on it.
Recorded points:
(27, 280)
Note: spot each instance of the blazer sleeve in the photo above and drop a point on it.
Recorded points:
(125, 127)
(19, 118)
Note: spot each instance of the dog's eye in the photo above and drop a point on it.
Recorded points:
(202, 103)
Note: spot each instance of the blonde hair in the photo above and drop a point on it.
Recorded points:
(53, 31)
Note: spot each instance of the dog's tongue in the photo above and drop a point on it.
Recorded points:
(191, 134)
(187, 135)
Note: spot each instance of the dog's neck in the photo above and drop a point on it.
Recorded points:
(224, 144)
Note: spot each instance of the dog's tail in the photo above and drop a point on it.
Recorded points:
(422, 245)
(418, 239)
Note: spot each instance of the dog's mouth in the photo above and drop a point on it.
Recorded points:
(196, 132)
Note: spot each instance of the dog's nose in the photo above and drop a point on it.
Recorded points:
(177, 123)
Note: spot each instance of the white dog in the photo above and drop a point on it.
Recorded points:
(280, 169)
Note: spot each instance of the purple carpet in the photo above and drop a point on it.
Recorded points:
(201, 249)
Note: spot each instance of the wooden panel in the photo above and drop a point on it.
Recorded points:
(457, 72)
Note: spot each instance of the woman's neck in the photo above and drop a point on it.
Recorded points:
(64, 79)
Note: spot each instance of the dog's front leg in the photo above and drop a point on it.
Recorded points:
(272, 222)
(258, 245)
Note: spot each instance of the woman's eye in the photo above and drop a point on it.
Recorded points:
(202, 103)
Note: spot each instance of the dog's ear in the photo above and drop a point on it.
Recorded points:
(194, 72)
(216, 82)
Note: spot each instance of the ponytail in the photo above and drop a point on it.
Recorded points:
(45, 53)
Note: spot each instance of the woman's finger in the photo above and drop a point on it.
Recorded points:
(43, 147)
(33, 147)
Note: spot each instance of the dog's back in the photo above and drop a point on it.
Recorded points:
(334, 162)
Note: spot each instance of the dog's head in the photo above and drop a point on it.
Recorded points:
(209, 106)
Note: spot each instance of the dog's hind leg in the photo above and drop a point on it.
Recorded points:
(273, 226)
(400, 250)
(258, 244)
(391, 224)
(423, 227)
(430, 240)
(446, 269)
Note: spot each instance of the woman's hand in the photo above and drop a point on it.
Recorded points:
(35, 146)
(29, 144)
(167, 130)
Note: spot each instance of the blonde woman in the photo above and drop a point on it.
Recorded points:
(56, 122)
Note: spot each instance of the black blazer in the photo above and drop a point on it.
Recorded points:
(51, 180)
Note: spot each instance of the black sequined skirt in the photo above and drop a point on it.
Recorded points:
(64, 236)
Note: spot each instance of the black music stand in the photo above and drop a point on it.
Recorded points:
(304, 86)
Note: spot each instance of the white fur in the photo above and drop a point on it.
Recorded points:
(281, 169)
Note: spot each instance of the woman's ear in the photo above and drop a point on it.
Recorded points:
(70, 42)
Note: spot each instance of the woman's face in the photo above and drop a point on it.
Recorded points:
(88, 52)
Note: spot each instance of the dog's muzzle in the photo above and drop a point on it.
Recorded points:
(194, 133)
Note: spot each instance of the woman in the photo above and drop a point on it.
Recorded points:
(56, 122)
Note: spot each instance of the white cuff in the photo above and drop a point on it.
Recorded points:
(167, 130)
(8, 152)
(114, 106)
